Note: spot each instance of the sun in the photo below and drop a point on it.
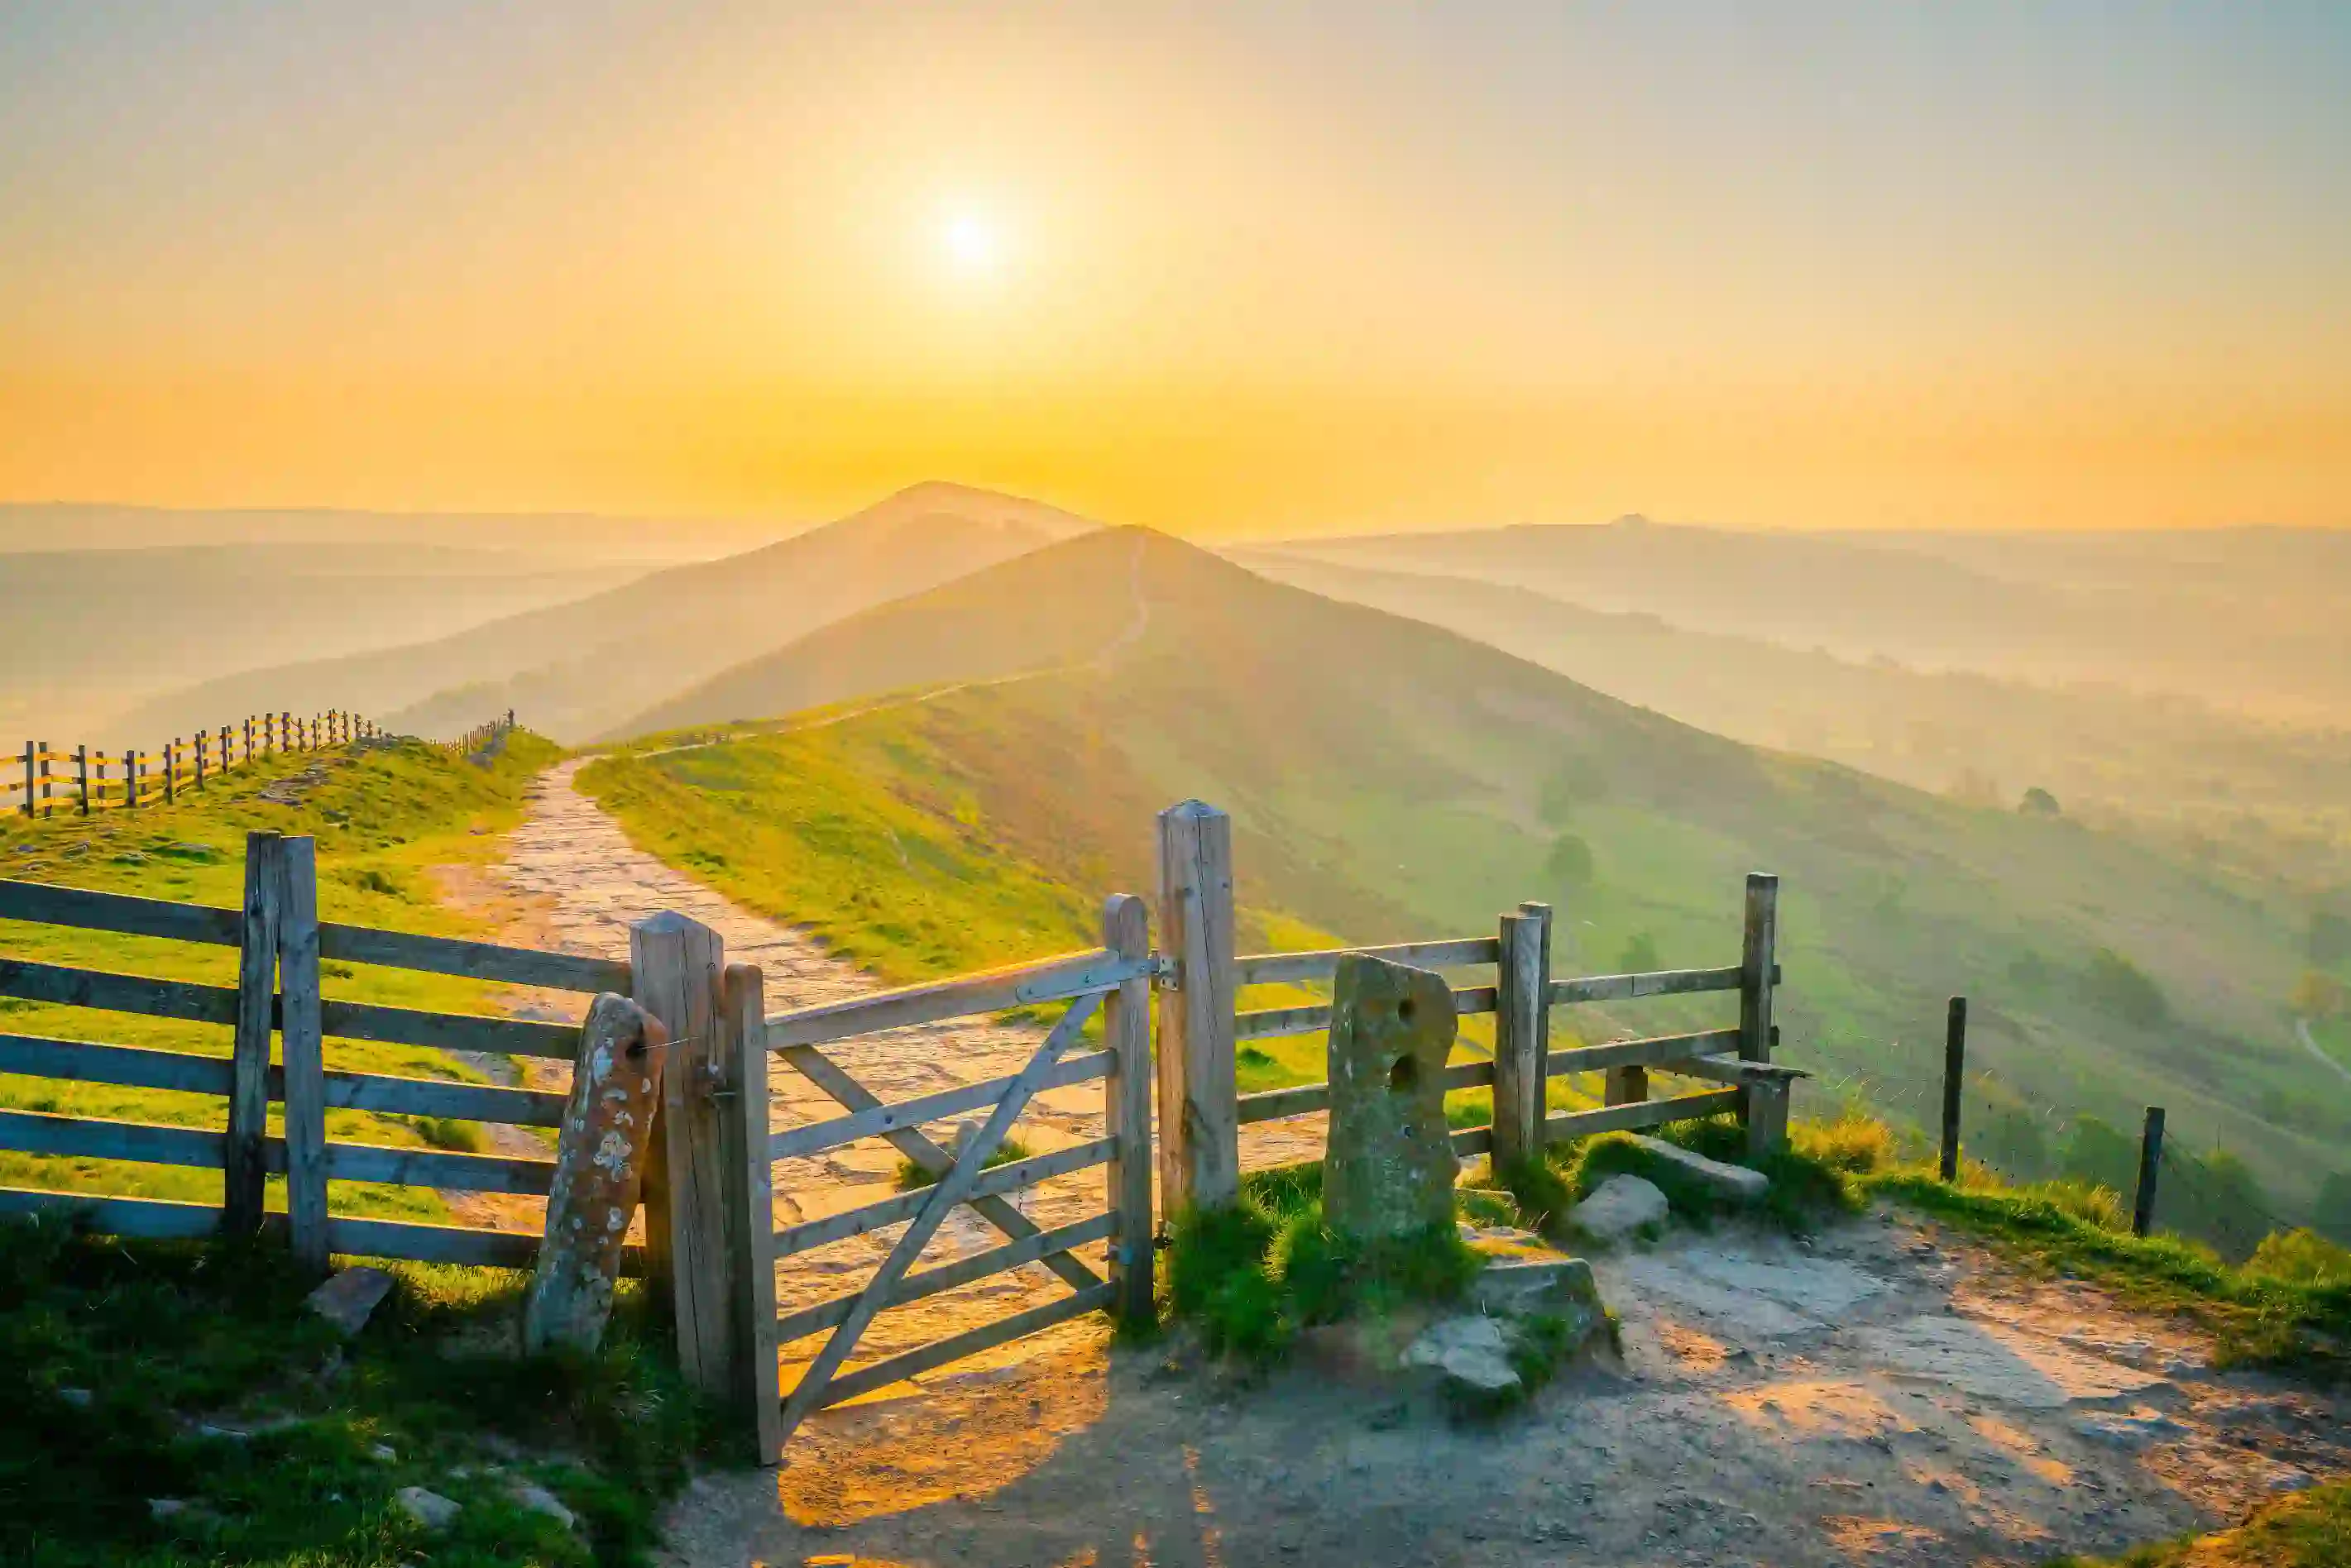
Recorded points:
(972, 242)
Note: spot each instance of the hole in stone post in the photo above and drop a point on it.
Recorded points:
(1403, 1011)
(1403, 1075)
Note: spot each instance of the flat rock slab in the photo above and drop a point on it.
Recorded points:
(2002, 1364)
(1524, 1285)
(1621, 1206)
(347, 1299)
(1749, 1298)
(1472, 1352)
(1735, 1182)
(429, 1509)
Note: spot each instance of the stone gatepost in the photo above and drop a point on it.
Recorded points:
(1390, 1168)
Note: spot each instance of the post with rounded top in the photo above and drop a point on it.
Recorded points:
(1522, 1035)
(1762, 1107)
(1127, 1108)
(677, 965)
(1199, 1130)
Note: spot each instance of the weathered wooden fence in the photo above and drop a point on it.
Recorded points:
(85, 780)
(709, 1189)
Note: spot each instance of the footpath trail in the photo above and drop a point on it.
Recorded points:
(1886, 1394)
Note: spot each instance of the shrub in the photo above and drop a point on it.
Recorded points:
(450, 1133)
(2301, 1258)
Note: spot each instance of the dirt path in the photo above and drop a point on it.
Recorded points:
(1884, 1395)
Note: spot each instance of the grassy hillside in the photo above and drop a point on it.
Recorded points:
(88, 634)
(572, 669)
(1390, 779)
(383, 816)
(2257, 797)
(2247, 618)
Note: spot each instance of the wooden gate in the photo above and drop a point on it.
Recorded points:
(1113, 980)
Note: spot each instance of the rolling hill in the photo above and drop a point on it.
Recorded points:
(1389, 778)
(2261, 796)
(574, 669)
(2250, 618)
(88, 635)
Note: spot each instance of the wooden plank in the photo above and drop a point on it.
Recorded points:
(948, 1276)
(951, 1190)
(1003, 1178)
(436, 1097)
(1472, 1141)
(1199, 1130)
(1521, 1035)
(257, 987)
(149, 1219)
(794, 1143)
(89, 910)
(750, 1206)
(83, 1062)
(1290, 968)
(95, 1137)
(1626, 987)
(1734, 1070)
(1466, 1076)
(180, 999)
(448, 1245)
(1126, 1111)
(449, 1031)
(301, 1047)
(1050, 980)
(1267, 1023)
(678, 966)
(1641, 1114)
(433, 1167)
(1280, 1105)
(1652, 1051)
(971, 1342)
(1476, 999)
(821, 1071)
(1756, 968)
(474, 961)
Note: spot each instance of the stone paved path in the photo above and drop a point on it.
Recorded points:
(572, 881)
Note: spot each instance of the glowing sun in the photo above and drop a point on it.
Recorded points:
(972, 242)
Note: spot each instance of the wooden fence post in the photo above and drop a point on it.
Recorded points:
(171, 770)
(243, 1159)
(1522, 1035)
(1199, 1109)
(131, 778)
(1766, 1125)
(31, 749)
(1126, 1108)
(750, 1207)
(1955, 1062)
(678, 964)
(81, 771)
(46, 789)
(249, 739)
(2151, 1165)
(304, 1051)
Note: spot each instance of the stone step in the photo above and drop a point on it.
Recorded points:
(1732, 1181)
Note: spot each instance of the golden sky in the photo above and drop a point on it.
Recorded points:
(1227, 271)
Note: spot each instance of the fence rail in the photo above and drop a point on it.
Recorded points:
(78, 781)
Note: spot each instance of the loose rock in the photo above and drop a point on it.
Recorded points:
(1624, 1204)
(1471, 1351)
(539, 1500)
(429, 1509)
(347, 1299)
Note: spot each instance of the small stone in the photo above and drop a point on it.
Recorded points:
(383, 1453)
(1472, 1353)
(1735, 1182)
(163, 1508)
(1624, 1204)
(531, 1495)
(2134, 1430)
(348, 1299)
(429, 1509)
(79, 1398)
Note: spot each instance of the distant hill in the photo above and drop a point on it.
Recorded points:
(573, 670)
(582, 538)
(1390, 778)
(2252, 618)
(2256, 792)
(87, 636)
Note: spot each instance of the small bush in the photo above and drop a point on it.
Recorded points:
(2300, 1258)
(912, 1177)
(449, 1133)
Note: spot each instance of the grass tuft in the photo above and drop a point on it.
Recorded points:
(912, 1176)
(2310, 1531)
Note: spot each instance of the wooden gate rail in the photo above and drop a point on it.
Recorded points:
(244, 1152)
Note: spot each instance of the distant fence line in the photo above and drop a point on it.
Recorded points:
(83, 779)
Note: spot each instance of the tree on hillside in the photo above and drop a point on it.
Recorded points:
(1569, 864)
(2039, 802)
(2318, 996)
(2120, 987)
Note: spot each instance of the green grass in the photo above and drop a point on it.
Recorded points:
(913, 1177)
(383, 816)
(166, 1337)
(1250, 1277)
(2311, 1530)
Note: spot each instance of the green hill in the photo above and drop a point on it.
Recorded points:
(1388, 778)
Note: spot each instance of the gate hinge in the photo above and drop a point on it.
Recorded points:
(1166, 972)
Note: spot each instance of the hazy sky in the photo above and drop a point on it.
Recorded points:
(1217, 269)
